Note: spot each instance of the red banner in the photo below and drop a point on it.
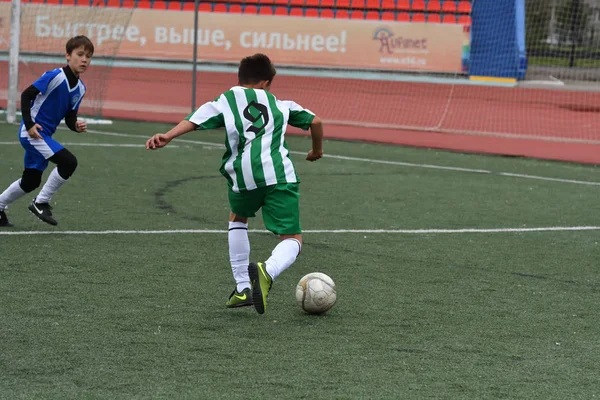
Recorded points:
(311, 42)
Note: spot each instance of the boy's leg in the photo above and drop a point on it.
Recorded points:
(30, 180)
(284, 254)
(239, 257)
(66, 163)
(37, 154)
(35, 164)
(263, 274)
(243, 206)
(239, 251)
(281, 214)
(12, 193)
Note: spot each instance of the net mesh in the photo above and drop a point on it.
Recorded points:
(562, 85)
(557, 101)
(45, 29)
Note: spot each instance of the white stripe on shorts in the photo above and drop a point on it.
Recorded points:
(39, 144)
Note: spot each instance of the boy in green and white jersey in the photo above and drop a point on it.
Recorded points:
(258, 170)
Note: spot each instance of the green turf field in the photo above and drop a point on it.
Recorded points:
(123, 313)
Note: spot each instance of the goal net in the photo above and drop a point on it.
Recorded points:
(45, 27)
(562, 85)
(502, 68)
(531, 70)
(557, 99)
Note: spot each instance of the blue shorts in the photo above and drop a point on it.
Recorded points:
(38, 151)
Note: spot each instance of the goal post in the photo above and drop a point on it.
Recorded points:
(13, 61)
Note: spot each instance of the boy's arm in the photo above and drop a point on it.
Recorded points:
(71, 120)
(27, 97)
(207, 116)
(162, 139)
(316, 133)
(181, 128)
(305, 119)
(73, 124)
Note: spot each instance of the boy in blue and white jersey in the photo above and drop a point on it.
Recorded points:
(57, 94)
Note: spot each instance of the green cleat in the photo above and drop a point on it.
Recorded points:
(242, 299)
(261, 284)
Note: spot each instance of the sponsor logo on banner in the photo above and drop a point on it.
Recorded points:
(404, 50)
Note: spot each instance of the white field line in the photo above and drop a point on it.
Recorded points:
(337, 231)
(90, 121)
(338, 157)
(93, 144)
(374, 161)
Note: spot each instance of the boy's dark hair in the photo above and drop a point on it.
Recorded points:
(79, 41)
(256, 68)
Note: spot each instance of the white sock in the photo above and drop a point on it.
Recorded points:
(283, 255)
(12, 193)
(239, 254)
(54, 182)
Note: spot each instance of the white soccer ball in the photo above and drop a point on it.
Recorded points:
(315, 293)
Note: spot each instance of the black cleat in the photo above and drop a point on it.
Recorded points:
(43, 212)
(4, 222)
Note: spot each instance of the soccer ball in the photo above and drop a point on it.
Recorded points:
(315, 293)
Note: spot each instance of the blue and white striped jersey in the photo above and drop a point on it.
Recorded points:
(54, 101)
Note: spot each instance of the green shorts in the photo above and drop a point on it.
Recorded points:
(280, 206)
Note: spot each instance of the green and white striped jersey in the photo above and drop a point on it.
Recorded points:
(255, 122)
